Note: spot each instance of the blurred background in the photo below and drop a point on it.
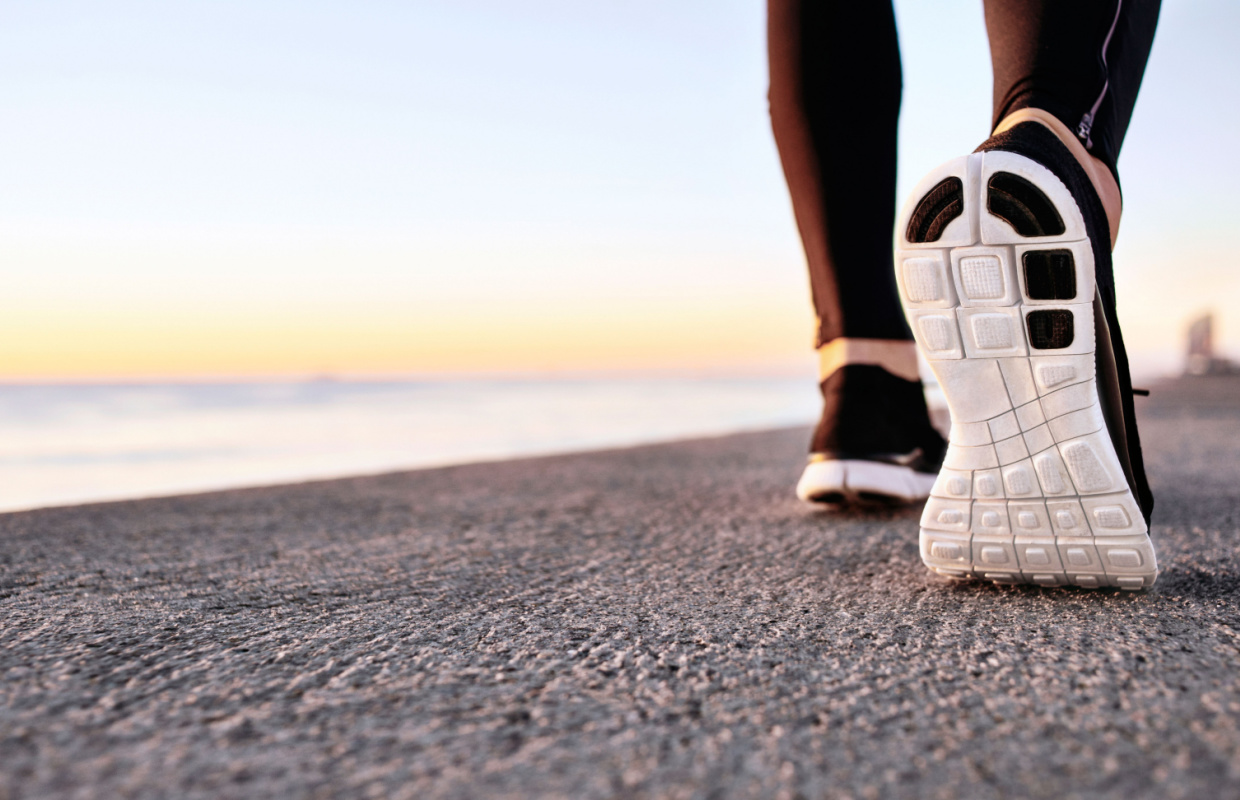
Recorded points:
(252, 242)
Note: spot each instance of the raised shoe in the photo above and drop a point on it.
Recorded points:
(1003, 263)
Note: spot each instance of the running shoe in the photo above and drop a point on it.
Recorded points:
(1003, 263)
(874, 444)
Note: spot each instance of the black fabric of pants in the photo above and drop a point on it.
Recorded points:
(835, 99)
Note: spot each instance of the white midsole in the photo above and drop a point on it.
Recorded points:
(855, 477)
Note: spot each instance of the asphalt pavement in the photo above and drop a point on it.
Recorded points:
(663, 621)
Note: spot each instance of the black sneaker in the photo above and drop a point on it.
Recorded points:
(1004, 268)
(874, 443)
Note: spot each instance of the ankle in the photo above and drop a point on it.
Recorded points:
(1100, 175)
(896, 356)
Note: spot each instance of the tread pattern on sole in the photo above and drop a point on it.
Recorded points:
(937, 209)
(1031, 489)
(1020, 203)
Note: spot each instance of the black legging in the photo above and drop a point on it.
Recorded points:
(835, 100)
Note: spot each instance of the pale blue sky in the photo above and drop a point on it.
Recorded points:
(236, 160)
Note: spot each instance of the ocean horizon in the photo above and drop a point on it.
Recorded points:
(72, 443)
(67, 443)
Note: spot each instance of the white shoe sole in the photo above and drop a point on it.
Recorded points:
(1031, 490)
(854, 481)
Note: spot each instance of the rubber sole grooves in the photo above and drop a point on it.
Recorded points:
(1031, 490)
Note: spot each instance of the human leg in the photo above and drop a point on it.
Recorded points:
(1082, 62)
(1078, 64)
(835, 99)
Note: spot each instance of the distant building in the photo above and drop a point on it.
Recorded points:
(1201, 358)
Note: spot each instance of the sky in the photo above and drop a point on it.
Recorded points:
(281, 188)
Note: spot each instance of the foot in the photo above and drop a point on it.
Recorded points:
(1003, 263)
(874, 444)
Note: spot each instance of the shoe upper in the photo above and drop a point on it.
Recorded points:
(870, 414)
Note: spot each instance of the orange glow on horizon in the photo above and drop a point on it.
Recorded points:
(627, 336)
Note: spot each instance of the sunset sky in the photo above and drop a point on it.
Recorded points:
(290, 188)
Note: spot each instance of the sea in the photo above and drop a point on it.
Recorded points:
(64, 444)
